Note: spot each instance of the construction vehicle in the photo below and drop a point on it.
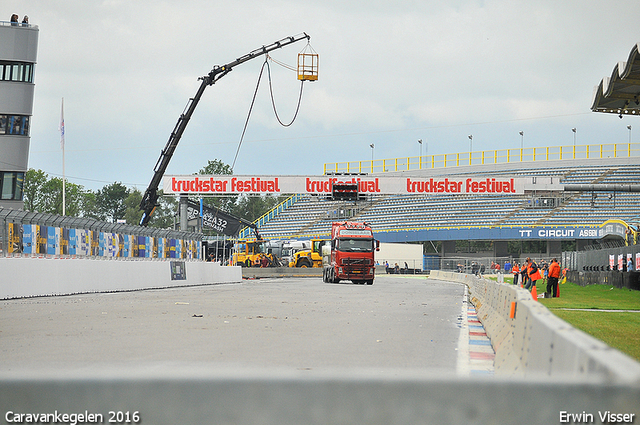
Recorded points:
(150, 198)
(350, 253)
(311, 257)
(289, 248)
(251, 252)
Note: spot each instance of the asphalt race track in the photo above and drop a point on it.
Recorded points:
(302, 324)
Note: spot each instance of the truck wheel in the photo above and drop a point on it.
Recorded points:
(369, 282)
(331, 276)
(304, 264)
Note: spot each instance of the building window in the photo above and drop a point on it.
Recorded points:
(16, 71)
(14, 124)
(11, 185)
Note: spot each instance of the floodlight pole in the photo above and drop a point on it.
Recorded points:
(521, 140)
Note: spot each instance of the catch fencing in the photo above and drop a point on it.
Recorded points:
(29, 234)
(605, 259)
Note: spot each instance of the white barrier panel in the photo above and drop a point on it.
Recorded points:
(33, 277)
(535, 342)
(197, 395)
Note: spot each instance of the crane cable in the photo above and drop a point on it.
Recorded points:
(248, 115)
(246, 123)
(273, 102)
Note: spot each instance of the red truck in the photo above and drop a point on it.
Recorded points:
(350, 253)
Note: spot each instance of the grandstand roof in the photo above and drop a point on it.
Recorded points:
(619, 93)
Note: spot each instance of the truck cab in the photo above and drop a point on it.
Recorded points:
(350, 255)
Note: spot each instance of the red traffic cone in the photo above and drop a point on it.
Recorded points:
(534, 292)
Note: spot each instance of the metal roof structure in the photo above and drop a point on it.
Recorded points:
(619, 94)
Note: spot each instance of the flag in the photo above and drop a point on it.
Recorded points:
(62, 125)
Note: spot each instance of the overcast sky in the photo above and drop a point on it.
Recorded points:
(390, 73)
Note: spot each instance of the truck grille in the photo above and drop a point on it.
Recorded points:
(357, 261)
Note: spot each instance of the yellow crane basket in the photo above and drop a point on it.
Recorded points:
(308, 66)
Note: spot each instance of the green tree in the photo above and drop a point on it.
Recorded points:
(253, 207)
(133, 213)
(227, 202)
(166, 212)
(44, 194)
(33, 195)
(89, 206)
(216, 167)
(110, 201)
(163, 216)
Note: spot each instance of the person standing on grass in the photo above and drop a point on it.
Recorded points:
(524, 277)
(552, 281)
(516, 272)
(545, 271)
(533, 272)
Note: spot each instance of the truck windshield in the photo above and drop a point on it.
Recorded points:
(355, 245)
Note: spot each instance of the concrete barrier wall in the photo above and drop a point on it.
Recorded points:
(33, 277)
(537, 343)
(277, 272)
(199, 395)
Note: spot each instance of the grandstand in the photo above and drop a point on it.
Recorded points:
(416, 217)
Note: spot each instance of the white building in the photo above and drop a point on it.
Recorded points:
(18, 51)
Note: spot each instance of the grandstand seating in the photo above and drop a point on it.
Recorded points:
(312, 215)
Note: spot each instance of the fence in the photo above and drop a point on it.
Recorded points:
(540, 154)
(32, 234)
(602, 259)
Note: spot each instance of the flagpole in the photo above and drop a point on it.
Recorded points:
(64, 194)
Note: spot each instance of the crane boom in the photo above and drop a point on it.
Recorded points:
(150, 198)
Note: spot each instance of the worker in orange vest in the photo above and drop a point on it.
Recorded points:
(516, 271)
(552, 282)
(533, 272)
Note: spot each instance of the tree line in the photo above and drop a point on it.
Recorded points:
(116, 201)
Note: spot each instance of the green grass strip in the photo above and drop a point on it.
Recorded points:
(618, 329)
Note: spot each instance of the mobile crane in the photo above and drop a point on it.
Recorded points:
(150, 198)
